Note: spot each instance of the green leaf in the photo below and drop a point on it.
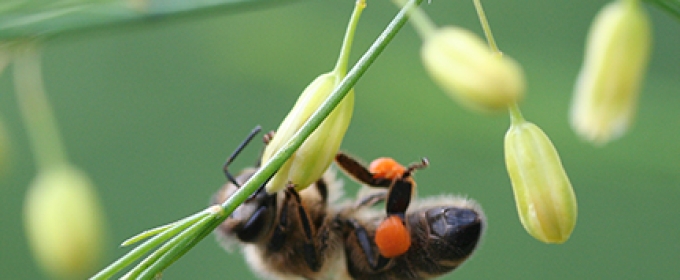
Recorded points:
(30, 18)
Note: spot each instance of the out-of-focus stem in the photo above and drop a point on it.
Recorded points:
(39, 120)
(420, 21)
(485, 26)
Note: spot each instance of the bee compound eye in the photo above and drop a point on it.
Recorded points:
(460, 228)
(251, 229)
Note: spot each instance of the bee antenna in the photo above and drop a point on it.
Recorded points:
(424, 162)
(236, 152)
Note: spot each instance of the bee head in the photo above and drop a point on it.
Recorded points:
(251, 220)
(458, 228)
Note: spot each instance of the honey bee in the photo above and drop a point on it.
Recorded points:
(420, 240)
(311, 234)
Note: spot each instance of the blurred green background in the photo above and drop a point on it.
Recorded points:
(151, 111)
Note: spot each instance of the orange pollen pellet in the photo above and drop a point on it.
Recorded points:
(392, 238)
(386, 168)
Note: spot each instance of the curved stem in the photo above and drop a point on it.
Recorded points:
(145, 247)
(39, 120)
(485, 26)
(166, 254)
(420, 21)
(515, 114)
(343, 58)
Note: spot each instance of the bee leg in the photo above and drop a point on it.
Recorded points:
(361, 235)
(309, 250)
(401, 190)
(371, 200)
(322, 188)
(236, 152)
(359, 172)
(399, 198)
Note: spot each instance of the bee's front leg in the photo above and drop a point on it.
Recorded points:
(310, 251)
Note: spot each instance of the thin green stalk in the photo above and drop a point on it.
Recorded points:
(146, 269)
(182, 248)
(420, 21)
(39, 120)
(180, 245)
(294, 143)
(148, 233)
(485, 26)
(515, 114)
(343, 58)
(145, 247)
(29, 18)
(154, 231)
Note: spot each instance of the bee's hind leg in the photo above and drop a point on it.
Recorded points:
(366, 246)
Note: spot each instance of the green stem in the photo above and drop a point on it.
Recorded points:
(147, 233)
(515, 114)
(485, 26)
(343, 58)
(182, 248)
(672, 7)
(420, 21)
(145, 247)
(189, 238)
(296, 141)
(21, 19)
(38, 118)
(166, 255)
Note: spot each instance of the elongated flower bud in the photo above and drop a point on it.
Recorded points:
(470, 72)
(606, 92)
(64, 223)
(545, 199)
(317, 152)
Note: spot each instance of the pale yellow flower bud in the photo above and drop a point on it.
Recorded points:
(317, 152)
(464, 66)
(310, 161)
(606, 92)
(64, 223)
(545, 199)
